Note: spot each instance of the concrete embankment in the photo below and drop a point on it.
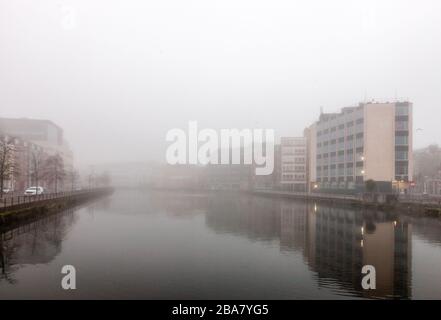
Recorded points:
(426, 208)
(22, 207)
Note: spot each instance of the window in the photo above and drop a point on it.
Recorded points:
(341, 156)
(402, 110)
(402, 125)
(401, 140)
(341, 170)
(401, 155)
(401, 170)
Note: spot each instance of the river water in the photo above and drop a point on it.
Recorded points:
(162, 245)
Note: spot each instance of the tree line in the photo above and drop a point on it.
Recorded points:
(45, 168)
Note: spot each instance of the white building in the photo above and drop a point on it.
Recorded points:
(293, 164)
(371, 141)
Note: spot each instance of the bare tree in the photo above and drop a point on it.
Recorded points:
(36, 165)
(8, 162)
(54, 172)
(73, 177)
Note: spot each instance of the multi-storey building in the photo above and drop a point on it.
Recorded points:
(44, 133)
(293, 164)
(432, 185)
(372, 141)
(23, 173)
(270, 181)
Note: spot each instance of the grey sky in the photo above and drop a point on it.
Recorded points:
(116, 75)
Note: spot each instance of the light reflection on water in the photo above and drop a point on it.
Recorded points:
(138, 244)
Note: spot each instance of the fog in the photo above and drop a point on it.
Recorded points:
(117, 75)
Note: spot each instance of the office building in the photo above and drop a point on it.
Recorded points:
(293, 164)
(372, 141)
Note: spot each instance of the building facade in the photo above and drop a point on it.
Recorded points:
(23, 174)
(432, 185)
(271, 181)
(34, 141)
(44, 133)
(372, 141)
(294, 164)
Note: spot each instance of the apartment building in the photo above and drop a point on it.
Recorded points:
(294, 164)
(370, 141)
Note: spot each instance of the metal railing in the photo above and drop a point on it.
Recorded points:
(9, 201)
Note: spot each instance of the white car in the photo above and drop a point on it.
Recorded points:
(6, 190)
(33, 191)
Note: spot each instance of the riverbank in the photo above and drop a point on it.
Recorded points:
(432, 209)
(392, 203)
(22, 207)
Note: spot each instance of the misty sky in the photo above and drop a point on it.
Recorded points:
(116, 75)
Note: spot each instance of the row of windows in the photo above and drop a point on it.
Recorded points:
(401, 169)
(333, 154)
(349, 124)
(401, 155)
(340, 172)
(402, 110)
(358, 136)
(292, 168)
(340, 156)
(401, 125)
(401, 140)
(293, 177)
(290, 141)
(337, 185)
(341, 179)
(293, 151)
(294, 161)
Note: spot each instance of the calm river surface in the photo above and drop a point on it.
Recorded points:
(159, 245)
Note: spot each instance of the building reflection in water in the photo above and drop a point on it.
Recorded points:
(32, 242)
(335, 242)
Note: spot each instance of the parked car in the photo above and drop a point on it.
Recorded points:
(7, 190)
(32, 191)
